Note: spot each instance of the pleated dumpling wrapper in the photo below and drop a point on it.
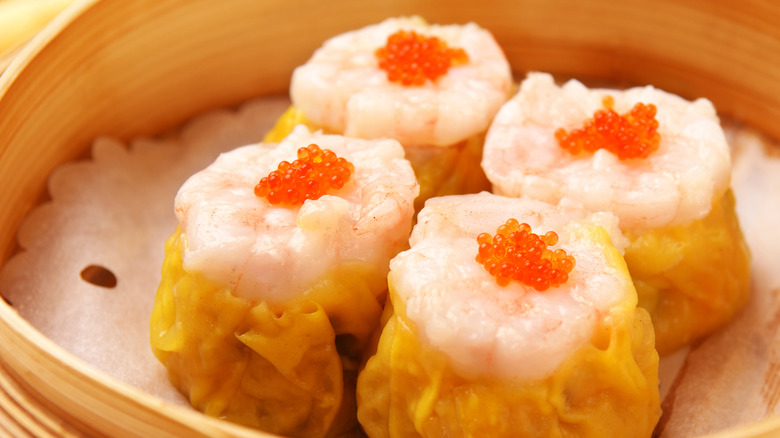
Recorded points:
(527, 352)
(658, 162)
(265, 304)
(434, 88)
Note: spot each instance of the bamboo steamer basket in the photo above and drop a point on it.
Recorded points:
(126, 69)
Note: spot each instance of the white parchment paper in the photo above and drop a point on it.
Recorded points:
(116, 211)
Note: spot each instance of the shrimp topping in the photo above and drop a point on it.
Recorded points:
(411, 59)
(515, 253)
(309, 177)
(632, 135)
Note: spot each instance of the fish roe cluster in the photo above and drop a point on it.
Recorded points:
(515, 253)
(632, 135)
(313, 174)
(412, 59)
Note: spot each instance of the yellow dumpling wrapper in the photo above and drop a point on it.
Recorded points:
(450, 170)
(284, 368)
(608, 387)
(691, 278)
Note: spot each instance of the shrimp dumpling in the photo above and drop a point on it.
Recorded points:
(532, 332)
(434, 88)
(272, 286)
(661, 164)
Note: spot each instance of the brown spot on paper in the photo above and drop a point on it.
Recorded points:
(99, 276)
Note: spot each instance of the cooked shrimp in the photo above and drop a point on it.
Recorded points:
(342, 89)
(674, 185)
(272, 252)
(513, 331)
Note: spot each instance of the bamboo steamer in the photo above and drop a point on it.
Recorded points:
(125, 69)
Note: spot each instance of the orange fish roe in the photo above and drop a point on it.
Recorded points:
(310, 176)
(411, 59)
(632, 135)
(515, 253)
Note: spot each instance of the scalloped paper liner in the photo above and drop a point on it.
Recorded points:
(116, 211)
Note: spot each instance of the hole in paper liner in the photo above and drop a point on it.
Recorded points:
(99, 276)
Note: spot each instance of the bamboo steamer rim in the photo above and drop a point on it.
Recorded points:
(52, 104)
